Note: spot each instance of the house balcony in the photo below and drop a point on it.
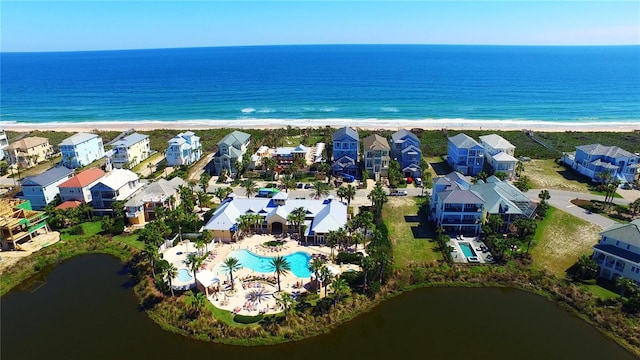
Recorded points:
(619, 268)
(132, 214)
(460, 221)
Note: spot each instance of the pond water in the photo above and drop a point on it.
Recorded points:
(87, 309)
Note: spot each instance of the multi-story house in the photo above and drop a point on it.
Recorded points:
(595, 159)
(42, 189)
(81, 150)
(116, 185)
(499, 154)
(376, 156)
(4, 142)
(184, 149)
(465, 155)
(285, 156)
(618, 251)
(346, 152)
(405, 148)
(454, 206)
(78, 187)
(141, 208)
(501, 198)
(29, 151)
(231, 150)
(19, 223)
(130, 151)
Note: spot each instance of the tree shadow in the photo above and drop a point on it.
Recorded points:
(441, 167)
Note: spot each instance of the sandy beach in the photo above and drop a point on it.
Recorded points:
(430, 124)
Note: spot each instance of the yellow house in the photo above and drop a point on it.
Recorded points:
(29, 151)
(130, 151)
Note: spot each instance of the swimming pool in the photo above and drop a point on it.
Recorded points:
(467, 250)
(299, 262)
(184, 275)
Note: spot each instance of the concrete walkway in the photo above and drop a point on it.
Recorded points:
(561, 199)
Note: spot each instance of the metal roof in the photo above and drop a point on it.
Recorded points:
(78, 139)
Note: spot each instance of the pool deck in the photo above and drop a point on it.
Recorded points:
(236, 301)
(458, 255)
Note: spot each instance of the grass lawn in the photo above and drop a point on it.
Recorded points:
(131, 240)
(600, 292)
(410, 238)
(560, 239)
(143, 164)
(90, 229)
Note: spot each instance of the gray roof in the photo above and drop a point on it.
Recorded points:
(155, 192)
(346, 131)
(375, 142)
(463, 141)
(460, 197)
(500, 197)
(628, 233)
(236, 137)
(326, 214)
(496, 141)
(130, 140)
(48, 177)
(77, 139)
(401, 134)
(610, 151)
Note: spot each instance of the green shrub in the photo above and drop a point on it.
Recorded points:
(76, 230)
(272, 243)
(349, 258)
(247, 319)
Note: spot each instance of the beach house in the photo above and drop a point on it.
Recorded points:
(321, 217)
(595, 159)
(77, 188)
(115, 185)
(618, 251)
(405, 148)
(4, 142)
(19, 222)
(29, 151)
(499, 154)
(81, 150)
(42, 189)
(502, 199)
(130, 151)
(141, 208)
(231, 150)
(454, 206)
(376, 156)
(465, 155)
(346, 152)
(184, 149)
(286, 156)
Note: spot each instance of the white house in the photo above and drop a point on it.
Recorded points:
(4, 143)
(184, 149)
(618, 251)
(81, 150)
(42, 189)
(594, 159)
(116, 185)
(499, 154)
(78, 187)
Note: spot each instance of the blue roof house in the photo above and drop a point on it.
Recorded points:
(81, 150)
(465, 155)
(42, 189)
(184, 149)
(405, 148)
(594, 159)
(346, 151)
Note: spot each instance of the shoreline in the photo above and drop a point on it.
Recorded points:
(369, 124)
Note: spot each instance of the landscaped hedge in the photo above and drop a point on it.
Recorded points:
(349, 258)
(247, 319)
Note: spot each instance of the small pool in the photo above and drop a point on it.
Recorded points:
(467, 250)
(184, 275)
(299, 262)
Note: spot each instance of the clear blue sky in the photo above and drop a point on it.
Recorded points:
(96, 25)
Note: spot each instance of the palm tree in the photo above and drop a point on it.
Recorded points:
(341, 192)
(244, 223)
(231, 264)
(194, 262)
(151, 252)
(222, 192)
(367, 264)
(269, 164)
(199, 245)
(196, 301)
(203, 198)
(378, 198)
(350, 193)
(250, 187)
(285, 300)
(339, 287)
(635, 206)
(332, 239)
(171, 272)
(288, 182)
(519, 168)
(296, 217)
(281, 267)
(320, 189)
(204, 181)
(626, 286)
(315, 266)
(325, 276)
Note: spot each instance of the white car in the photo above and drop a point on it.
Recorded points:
(398, 193)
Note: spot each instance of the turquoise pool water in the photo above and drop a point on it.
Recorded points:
(184, 275)
(467, 249)
(299, 262)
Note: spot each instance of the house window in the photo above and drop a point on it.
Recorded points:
(617, 242)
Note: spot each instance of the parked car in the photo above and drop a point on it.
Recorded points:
(398, 192)
(300, 185)
(308, 186)
(418, 181)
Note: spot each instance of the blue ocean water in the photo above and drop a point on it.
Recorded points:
(323, 82)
